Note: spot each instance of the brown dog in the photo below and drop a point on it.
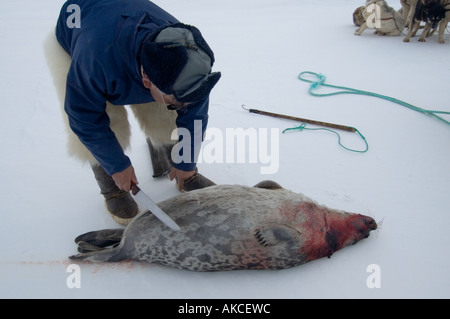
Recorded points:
(409, 8)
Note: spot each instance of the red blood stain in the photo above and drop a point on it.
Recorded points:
(325, 230)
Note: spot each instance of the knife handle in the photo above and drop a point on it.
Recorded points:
(134, 189)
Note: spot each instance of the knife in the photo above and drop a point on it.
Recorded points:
(145, 200)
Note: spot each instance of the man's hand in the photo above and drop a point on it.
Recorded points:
(125, 178)
(181, 176)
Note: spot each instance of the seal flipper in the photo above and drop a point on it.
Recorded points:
(101, 238)
(275, 235)
(268, 184)
(85, 247)
(106, 254)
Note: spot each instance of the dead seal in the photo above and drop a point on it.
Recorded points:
(230, 227)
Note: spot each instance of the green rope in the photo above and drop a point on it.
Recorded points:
(320, 81)
(302, 127)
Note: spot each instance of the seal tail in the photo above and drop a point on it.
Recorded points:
(99, 239)
(97, 246)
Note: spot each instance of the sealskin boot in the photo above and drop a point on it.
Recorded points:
(162, 163)
(197, 181)
(119, 203)
(160, 156)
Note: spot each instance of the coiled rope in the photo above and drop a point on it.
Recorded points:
(302, 127)
(319, 81)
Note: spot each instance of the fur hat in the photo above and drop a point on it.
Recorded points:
(178, 61)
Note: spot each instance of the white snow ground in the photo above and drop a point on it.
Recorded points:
(47, 198)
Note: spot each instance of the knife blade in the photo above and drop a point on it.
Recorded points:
(145, 200)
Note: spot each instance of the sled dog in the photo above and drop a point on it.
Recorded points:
(432, 13)
(443, 24)
(384, 19)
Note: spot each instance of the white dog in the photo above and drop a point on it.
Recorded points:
(445, 21)
(381, 17)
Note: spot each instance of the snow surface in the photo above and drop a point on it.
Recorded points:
(260, 45)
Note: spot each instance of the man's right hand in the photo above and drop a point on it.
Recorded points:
(125, 178)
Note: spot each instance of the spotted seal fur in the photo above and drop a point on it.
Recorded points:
(228, 227)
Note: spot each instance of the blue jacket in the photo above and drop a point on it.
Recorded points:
(104, 67)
